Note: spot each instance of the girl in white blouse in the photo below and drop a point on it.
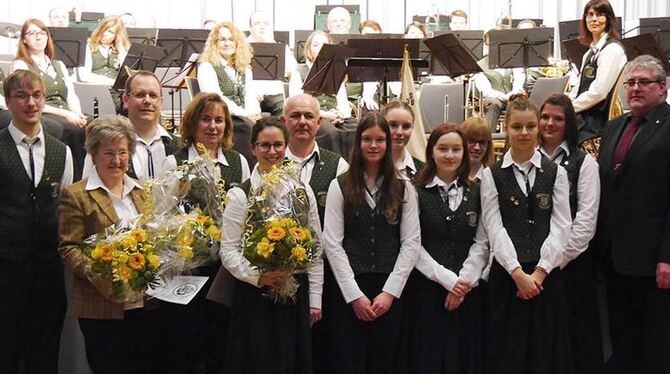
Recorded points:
(372, 243)
(526, 214)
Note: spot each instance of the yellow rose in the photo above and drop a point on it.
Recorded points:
(139, 235)
(185, 252)
(96, 253)
(136, 261)
(276, 233)
(184, 239)
(124, 272)
(202, 219)
(214, 232)
(299, 253)
(298, 233)
(121, 257)
(128, 242)
(154, 260)
(107, 250)
(264, 248)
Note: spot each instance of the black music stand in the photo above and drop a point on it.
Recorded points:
(645, 44)
(139, 57)
(341, 39)
(300, 40)
(473, 40)
(329, 69)
(268, 61)
(70, 44)
(520, 47)
(180, 44)
(663, 37)
(142, 36)
(574, 51)
(651, 25)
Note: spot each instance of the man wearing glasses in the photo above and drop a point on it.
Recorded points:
(634, 222)
(143, 100)
(34, 168)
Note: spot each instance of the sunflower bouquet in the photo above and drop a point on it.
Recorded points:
(277, 236)
(122, 262)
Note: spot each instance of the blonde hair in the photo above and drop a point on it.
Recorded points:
(121, 41)
(476, 128)
(240, 60)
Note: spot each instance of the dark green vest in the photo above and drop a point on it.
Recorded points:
(28, 214)
(371, 242)
(445, 234)
(106, 66)
(499, 82)
(527, 233)
(233, 90)
(231, 174)
(326, 102)
(170, 144)
(325, 170)
(572, 165)
(418, 164)
(56, 94)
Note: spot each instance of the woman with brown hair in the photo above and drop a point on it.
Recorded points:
(478, 139)
(107, 47)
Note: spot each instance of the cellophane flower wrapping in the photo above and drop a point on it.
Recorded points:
(277, 237)
(186, 206)
(122, 262)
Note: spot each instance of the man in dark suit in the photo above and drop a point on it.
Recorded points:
(634, 222)
(34, 167)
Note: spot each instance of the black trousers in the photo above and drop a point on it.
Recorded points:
(639, 324)
(126, 346)
(31, 316)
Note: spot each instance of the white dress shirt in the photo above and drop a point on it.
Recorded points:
(611, 61)
(209, 82)
(553, 248)
(45, 65)
(170, 162)
(333, 235)
(406, 162)
(140, 157)
(588, 200)
(484, 85)
(39, 153)
(478, 256)
(307, 163)
(234, 222)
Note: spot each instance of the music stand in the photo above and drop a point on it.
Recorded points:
(300, 40)
(574, 51)
(268, 60)
(142, 36)
(520, 47)
(139, 57)
(663, 37)
(472, 39)
(179, 44)
(327, 73)
(70, 45)
(452, 54)
(645, 44)
(651, 25)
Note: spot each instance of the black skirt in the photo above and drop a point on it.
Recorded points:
(323, 345)
(527, 336)
(365, 347)
(442, 341)
(268, 337)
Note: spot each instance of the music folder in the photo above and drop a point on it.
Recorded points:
(268, 61)
(70, 44)
(520, 47)
(452, 54)
(329, 69)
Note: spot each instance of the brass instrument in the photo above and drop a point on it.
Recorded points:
(556, 68)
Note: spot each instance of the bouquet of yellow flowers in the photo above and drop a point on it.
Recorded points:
(277, 236)
(122, 262)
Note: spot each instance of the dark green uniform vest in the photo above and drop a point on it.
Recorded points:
(418, 164)
(325, 170)
(326, 102)
(29, 214)
(233, 90)
(231, 174)
(445, 234)
(572, 165)
(170, 144)
(371, 242)
(527, 233)
(107, 66)
(56, 94)
(499, 82)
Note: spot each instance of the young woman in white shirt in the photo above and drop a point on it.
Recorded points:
(372, 244)
(526, 214)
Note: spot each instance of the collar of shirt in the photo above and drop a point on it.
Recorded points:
(596, 47)
(160, 133)
(94, 182)
(291, 156)
(18, 135)
(43, 63)
(407, 162)
(562, 147)
(480, 172)
(255, 178)
(220, 157)
(535, 160)
(437, 181)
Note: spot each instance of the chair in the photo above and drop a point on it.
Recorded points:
(193, 86)
(545, 87)
(441, 103)
(89, 92)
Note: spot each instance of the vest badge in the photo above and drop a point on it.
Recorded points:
(543, 201)
(472, 218)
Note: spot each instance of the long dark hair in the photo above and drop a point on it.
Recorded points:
(429, 169)
(612, 27)
(391, 191)
(564, 102)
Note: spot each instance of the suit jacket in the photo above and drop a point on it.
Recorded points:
(81, 214)
(634, 216)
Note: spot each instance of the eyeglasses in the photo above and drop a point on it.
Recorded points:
(25, 97)
(122, 155)
(140, 95)
(265, 146)
(222, 39)
(34, 34)
(482, 143)
(641, 82)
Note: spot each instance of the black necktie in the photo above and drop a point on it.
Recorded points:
(529, 192)
(150, 160)
(31, 144)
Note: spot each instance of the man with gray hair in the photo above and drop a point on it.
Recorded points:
(59, 17)
(339, 21)
(634, 222)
